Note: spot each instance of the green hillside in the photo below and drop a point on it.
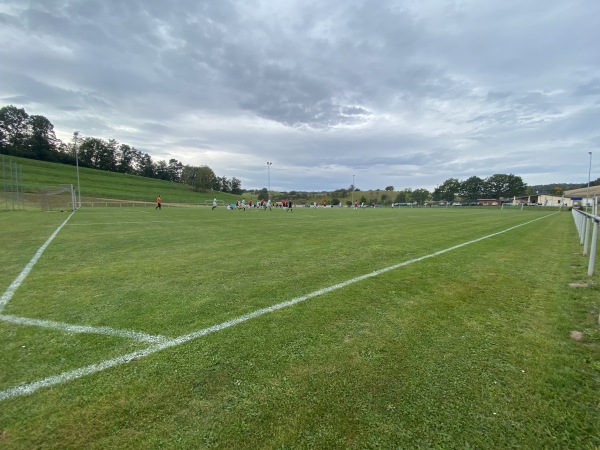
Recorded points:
(97, 184)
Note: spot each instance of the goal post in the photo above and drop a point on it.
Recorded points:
(515, 206)
(58, 198)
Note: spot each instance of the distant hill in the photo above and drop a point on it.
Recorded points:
(583, 192)
(547, 188)
(569, 189)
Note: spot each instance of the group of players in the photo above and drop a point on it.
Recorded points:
(241, 204)
(287, 205)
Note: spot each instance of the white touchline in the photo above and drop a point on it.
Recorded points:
(129, 334)
(54, 380)
(17, 282)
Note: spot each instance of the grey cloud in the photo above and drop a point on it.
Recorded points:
(397, 92)
(590, 88)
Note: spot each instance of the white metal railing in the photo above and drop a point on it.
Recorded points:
(584, 222)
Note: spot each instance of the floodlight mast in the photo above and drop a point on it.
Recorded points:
(269, 178)
(587, 200)
(353, 191)
(75, 139)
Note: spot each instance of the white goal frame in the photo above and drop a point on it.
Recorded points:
(518, 206)
(58, 198)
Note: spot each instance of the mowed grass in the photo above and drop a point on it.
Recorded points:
(467, 349)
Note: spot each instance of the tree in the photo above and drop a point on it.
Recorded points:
(188, 175)
(42, 141)
(174, 169)
(404, 196)
(222, 184)
(90, 151)
(471, 189)
(339, 193)
(126, 157)
(420, 195)
(108, 157)
(400, 197)
(389, 188)
(449, 189)
(263, 194)
(503, 186)
(205, 179)
(64, 153)
(236, 186)
(161, 170)
(146, 166)
(14, 130)
(98, 153)
(216, 184)
(516, 186)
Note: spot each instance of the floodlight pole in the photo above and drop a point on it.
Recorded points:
(353, 191)
(269, 178)
(587, 200)
(75, 138)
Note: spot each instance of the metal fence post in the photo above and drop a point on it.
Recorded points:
(581, 220)
(586, 236)
(593, 249)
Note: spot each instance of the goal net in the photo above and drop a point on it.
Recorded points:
(515, 206)
(58, 198)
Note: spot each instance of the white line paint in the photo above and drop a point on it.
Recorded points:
(61, 326)
(17, 282)
(64, 377)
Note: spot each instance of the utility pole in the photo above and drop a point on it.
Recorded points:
(75, 139)
(352, 191)
(269, 177)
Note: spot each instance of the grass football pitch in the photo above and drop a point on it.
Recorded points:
(317, 328)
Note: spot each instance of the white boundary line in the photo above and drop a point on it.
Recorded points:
(62, 326)
(64, 377)
(17, 282)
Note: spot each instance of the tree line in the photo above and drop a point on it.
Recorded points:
(497, 186)
(494, 187)
(33, 136)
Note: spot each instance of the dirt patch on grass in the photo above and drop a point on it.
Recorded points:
(576, 335)
(580, 284)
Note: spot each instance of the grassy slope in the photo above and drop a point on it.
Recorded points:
(467, 349)
(100, 184)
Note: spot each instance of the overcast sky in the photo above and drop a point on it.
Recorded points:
(402, 93)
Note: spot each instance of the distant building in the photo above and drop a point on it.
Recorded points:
(543, 200)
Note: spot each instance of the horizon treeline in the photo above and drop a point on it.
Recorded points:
(33, 137)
